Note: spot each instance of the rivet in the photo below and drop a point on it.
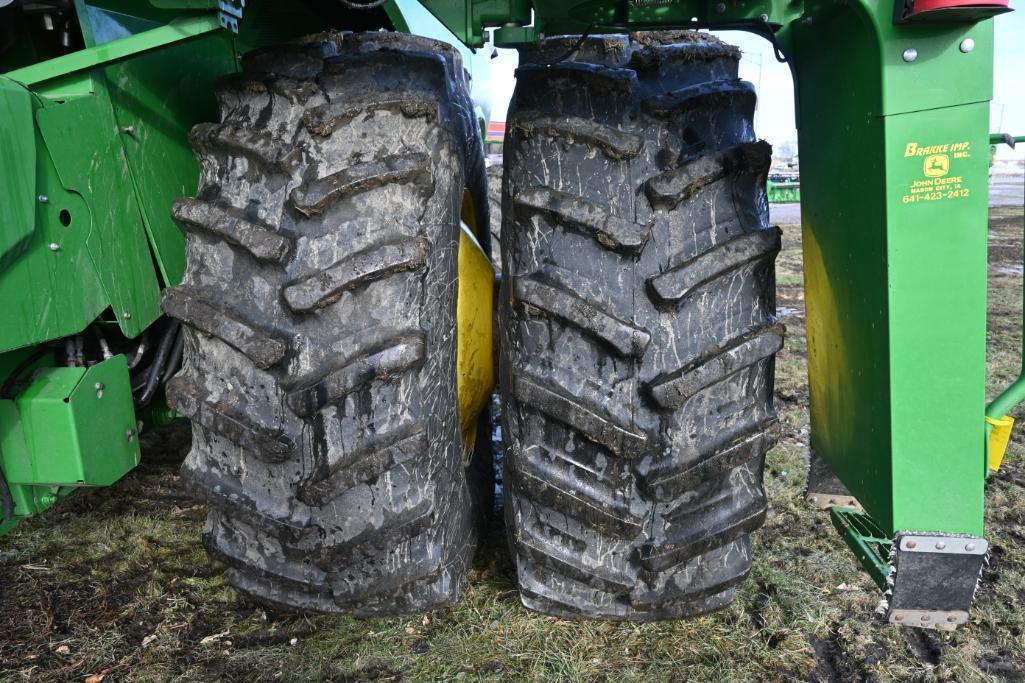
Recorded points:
(910, 54)
(926, 617)
(99, 389)
(898, 617)
(970, 547)
(911, 544)
(940, 545)
(129, 129)
(43, 199)
(130, 433)
(126, 315)
(952, 618)
(54, 246)
(763, 17)
(720, 8)
(967, 45)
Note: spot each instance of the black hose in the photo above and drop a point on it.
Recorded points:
(159, 363)
(176, 358)
(576, 46)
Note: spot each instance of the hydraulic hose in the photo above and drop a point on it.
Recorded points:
(159, 363)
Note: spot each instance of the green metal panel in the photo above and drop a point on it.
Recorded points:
(159, 95)
(937, 300)
(844, 237)
(82, 60)
(17, 153)
(112, 219)
(896, 287)
(89, 248)
(50, 289)
(467, 18)
(74, 427)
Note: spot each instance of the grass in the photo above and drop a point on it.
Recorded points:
(114, 583)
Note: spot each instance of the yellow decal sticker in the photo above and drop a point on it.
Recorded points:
(938, 180)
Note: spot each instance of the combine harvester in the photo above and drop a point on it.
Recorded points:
(294, 292)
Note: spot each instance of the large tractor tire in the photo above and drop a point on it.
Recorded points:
(320, 309)
(638, 326)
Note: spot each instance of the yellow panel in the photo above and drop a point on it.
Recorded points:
(476, 354)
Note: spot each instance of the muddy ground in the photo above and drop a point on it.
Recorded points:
(114, 584)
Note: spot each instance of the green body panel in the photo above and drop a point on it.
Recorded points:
(159, 96)
(937, 298)
(895, 290)
(17, 153)
(84, 414)
(110, 217)
(467, 19)
(71, 427)
(51, 259)
(78, 62)
(101, 120)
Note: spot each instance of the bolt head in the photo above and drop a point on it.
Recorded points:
(940, 545)
(54, 246)
(763, 17)
(926, 617)
(720, 8)
(910, 54)
(43, 199)
(126, 315)
(130, 434)
(951, 618)
(911, 544)
(967, 45)
(898, 617)
(970, 547)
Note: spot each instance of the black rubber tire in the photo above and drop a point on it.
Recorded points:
(638, 326)
(319, 304)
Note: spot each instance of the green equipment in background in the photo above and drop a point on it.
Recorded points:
(784, 188)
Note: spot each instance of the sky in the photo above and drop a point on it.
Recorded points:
(774, 118)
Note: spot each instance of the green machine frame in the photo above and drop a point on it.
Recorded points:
(893, 136)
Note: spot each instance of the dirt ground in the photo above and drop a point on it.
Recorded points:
(114, 584)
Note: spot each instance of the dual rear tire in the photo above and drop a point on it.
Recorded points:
(636, 316)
